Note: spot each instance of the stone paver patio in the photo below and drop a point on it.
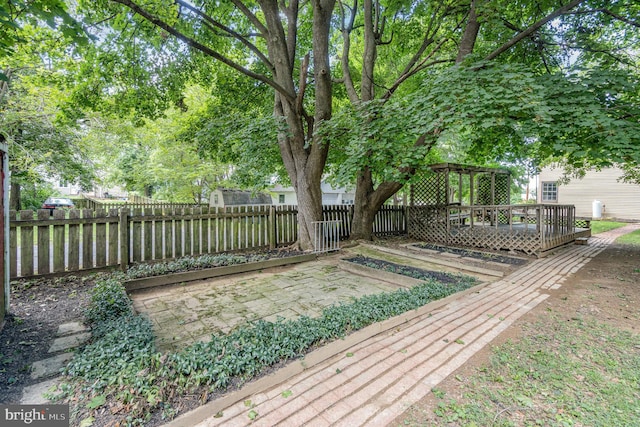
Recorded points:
(182, 314)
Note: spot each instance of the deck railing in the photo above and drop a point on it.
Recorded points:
(531, 229)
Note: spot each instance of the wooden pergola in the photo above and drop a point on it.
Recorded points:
(464, 185)
(464, 205)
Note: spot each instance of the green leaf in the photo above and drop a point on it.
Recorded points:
(87, 422)
(96, 402)
(253, 415)
(286, 393)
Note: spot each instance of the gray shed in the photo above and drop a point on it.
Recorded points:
(223, 197)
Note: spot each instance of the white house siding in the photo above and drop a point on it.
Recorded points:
(330, 199)
(278, 193)
(619, 200)
(330, 195)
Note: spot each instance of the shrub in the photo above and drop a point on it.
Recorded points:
(191, 263)
(109, 300)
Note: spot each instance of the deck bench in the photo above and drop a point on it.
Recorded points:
(459, 218)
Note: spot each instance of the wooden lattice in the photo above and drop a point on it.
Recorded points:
(469, 206)
(430, 191)
(530, 229)
(426, 223)
(521, 240)
(450, 183)
(492, 189)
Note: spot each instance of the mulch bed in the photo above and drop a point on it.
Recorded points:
(416, 273)
(484, 256)
(38, 307)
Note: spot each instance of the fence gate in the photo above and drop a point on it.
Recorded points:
(326, 236)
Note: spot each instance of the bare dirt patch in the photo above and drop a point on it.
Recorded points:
(606, 290)
(37, 308)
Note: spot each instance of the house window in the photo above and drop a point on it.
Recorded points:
(64, 183)
(215, 199)
(549, 192)
(281, 198)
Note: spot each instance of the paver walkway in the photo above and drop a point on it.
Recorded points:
(387, 373)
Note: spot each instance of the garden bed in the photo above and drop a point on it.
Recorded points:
(121, 376)
(482, 256)
(381, 266)
(206, 273)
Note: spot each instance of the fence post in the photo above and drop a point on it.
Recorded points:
(405, 216)
(43, 241)
(124, 239)
(13, 245)
(272, 227)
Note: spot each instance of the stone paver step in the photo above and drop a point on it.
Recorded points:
(51, 366)
(34, 394)
(68, 342)
(71, 328)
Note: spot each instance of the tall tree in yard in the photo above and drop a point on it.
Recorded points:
(367, 59)
(262, 40)
(462, 49)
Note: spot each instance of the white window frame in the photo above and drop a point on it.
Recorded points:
(549, 190)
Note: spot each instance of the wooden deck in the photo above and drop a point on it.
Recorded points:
(531, 229)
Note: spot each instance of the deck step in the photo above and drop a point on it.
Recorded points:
(582, 240)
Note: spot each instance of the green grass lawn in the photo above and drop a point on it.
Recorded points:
(632, 238)
(578, 373)
(601, 226)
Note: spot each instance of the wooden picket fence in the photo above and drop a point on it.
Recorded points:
(87, 239)
(134, 202)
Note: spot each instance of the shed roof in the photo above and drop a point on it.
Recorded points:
(233, 197)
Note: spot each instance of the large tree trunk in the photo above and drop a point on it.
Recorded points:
(367, 203)
(309, 210)
(304, 154)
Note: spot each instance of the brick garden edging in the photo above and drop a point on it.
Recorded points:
(187, 276)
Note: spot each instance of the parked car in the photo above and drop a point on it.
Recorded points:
(57, 203)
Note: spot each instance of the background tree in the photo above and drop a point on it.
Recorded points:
(41, 146)
(157, 157)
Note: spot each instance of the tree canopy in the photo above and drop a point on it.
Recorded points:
(369, 90)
